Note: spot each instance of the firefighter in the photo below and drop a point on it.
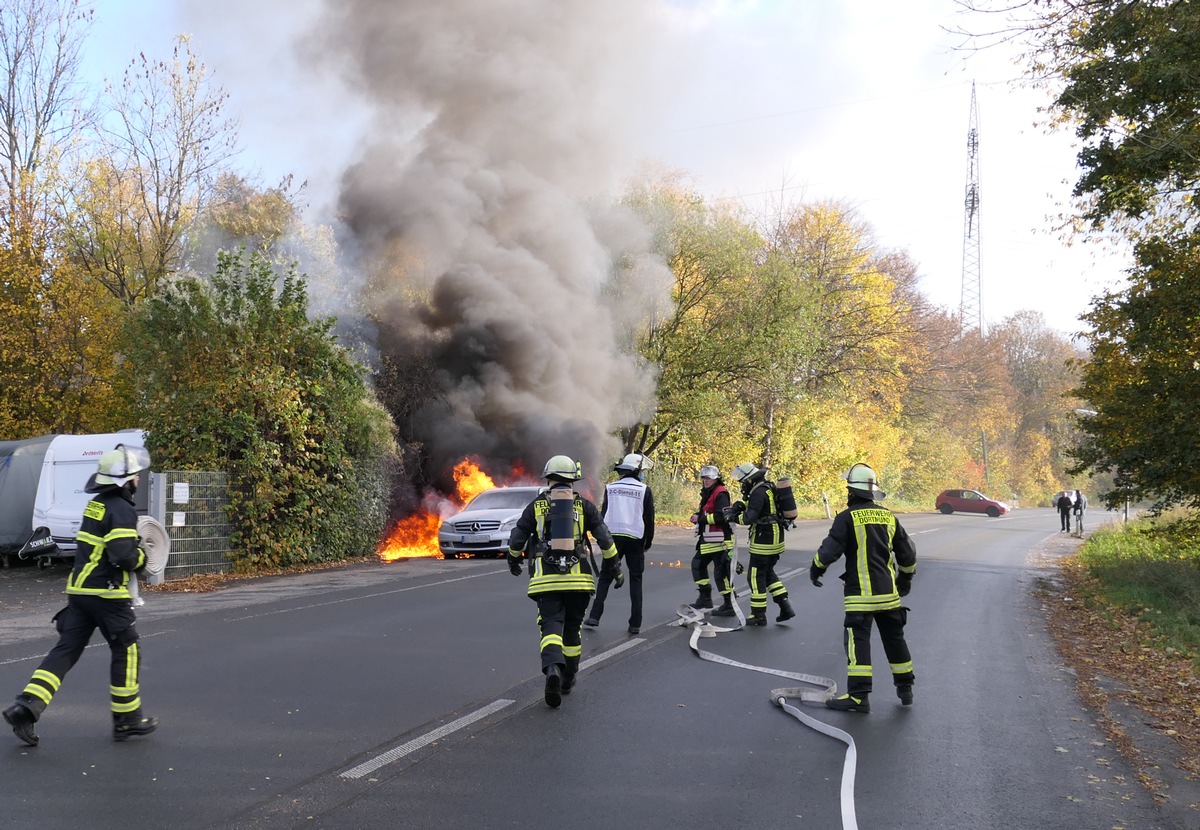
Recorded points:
(557, 523)
(628, 511)
(761, 512)
(714, 543)
(107, 552)
(880, 562)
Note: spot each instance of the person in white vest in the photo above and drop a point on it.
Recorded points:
(628, 510)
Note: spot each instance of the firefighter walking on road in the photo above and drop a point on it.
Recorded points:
(107, 552)
(556, 525)
(628, 511)
(761, 512)
(880, 562)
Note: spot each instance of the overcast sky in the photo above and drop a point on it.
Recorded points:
(864, 101)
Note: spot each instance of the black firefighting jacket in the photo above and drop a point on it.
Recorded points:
(876, 549)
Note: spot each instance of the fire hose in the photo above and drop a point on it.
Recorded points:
(819, 689)
(153, 539)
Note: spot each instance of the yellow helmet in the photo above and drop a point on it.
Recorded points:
(863, 480)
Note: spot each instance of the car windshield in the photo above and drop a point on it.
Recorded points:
(502, 499)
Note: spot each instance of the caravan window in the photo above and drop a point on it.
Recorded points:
(69, 480)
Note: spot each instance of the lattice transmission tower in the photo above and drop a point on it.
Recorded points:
(971, 307)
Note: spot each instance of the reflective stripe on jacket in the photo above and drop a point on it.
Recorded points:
(106, 546)
(876, 548)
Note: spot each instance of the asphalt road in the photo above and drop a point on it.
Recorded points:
(409, 695)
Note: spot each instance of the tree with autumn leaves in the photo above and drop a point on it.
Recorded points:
(1127, 85)
(799, 344)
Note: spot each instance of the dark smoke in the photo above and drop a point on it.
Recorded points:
(477, 206)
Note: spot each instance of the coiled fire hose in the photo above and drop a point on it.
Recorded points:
(818, 690)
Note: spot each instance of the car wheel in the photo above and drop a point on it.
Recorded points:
(946, 509)
(993, 512)
(449, 555)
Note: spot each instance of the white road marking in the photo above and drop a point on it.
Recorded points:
(367, 767)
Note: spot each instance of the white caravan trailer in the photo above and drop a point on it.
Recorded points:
(41, 490)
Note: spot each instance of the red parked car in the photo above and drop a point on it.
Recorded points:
(969, 501)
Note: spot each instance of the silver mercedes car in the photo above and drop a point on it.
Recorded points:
(484, 525)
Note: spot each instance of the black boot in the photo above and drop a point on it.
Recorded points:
(568, 683)
(785, 610)
(758, 616)
(850, 703)
(726, 609)
(21, 718)
(554, 681)
(132, 724)
(704, 600)
(904, 692)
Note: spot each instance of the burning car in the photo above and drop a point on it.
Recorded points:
(484, 525)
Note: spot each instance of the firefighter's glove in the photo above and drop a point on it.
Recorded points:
(815, 572)
(514, 567)
(903, 584)
(618, 578)
(733, 513)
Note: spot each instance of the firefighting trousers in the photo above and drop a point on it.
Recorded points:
(633, 552)
(718, 555)
(857, 640)
(75, 624)
(560, 618)
(764, 582)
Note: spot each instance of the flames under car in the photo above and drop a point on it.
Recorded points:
(484, 525)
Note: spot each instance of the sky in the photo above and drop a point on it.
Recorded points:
(757, 101)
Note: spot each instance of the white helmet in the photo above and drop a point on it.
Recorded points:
(709, 471)
(122, 464)
(632, 463)
(562, 467)
(862, 479)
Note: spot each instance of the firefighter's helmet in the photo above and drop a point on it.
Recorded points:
(710, 471)
(633, 464)
(563, 468)
(122, 464)
(863, 481)
(745, 472)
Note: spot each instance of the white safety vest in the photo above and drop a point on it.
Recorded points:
(626, 503)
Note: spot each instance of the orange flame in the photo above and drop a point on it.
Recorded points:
(415, 536)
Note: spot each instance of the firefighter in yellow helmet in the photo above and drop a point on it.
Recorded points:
(107, 552)
(880, 562)
(555, 526)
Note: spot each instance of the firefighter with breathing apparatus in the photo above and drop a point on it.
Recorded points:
(880, 562)
(107, 552)
(557, 523)
(761, 511)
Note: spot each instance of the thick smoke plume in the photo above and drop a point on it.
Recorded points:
(480, 206)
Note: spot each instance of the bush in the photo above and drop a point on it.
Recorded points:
(230, 374)
(1151, 567)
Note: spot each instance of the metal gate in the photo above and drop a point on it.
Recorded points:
(193, 507)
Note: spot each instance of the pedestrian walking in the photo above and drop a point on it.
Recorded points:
(107, 552)
(880, 562)
(1064, 511)
(556, 525)
(628, 510)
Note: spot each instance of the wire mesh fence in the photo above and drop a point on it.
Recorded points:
(194, 508)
